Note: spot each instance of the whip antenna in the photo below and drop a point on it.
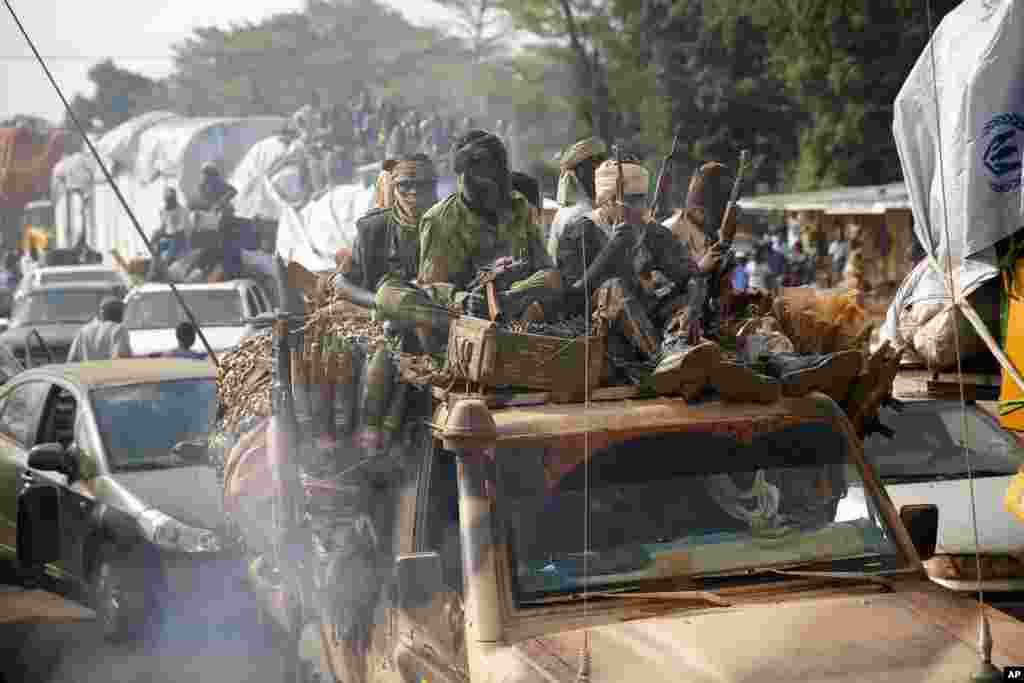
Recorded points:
(110, 178)
(986, 672)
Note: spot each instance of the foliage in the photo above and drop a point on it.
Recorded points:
(120, 94)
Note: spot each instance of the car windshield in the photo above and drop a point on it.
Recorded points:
(63, 276)
(926, 445)
(159, 310)
(58, 306)
(686, 505)
(141, 423)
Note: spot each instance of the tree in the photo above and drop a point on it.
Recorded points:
(482, 23)
(843, 63)
(714, 70)
(271, 67)
(587, 28)
(120, 94)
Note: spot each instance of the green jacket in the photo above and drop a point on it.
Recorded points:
(456, 242)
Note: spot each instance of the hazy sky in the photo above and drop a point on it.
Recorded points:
(137, 34)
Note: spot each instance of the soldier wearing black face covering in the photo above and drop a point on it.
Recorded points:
(482, 223)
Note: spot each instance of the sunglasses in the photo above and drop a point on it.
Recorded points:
(635, 201)
(406, 186)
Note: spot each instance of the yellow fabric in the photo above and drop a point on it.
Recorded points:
(382, 196)
(636, 180)
(1011, 398)
(1014, 499)
(34, 237)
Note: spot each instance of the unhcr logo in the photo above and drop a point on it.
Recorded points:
(1002, 158)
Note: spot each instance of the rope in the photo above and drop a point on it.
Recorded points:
(956, 304)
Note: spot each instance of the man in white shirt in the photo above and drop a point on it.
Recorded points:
(575, 187)
(104, 338)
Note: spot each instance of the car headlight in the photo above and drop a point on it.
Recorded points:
(169, 533)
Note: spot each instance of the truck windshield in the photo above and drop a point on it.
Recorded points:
(685, 504)
(927, 444)
(160, 310)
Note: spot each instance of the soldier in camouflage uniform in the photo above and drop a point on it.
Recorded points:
(482, 222)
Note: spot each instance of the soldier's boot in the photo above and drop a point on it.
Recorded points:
(735, 382)
(685, 369)
(831, 374)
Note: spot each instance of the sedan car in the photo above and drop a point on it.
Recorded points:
(54, 314)
(924, 463)
(116, 450)
(223, 310)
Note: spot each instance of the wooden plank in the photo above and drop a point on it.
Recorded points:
(27, 606)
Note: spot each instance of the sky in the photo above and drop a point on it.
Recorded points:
(137, 35)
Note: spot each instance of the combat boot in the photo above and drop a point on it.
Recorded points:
(739, 383)
(685, 369)
(831, 374)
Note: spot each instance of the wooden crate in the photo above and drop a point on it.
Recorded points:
(481, 352)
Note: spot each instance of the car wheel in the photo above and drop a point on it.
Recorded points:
(118, 595)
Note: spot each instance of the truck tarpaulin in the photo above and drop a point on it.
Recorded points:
(959, 130)
(26, 160)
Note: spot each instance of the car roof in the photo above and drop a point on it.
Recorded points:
(124, 371)
(83, 286)
(75, 269)
(233, 285)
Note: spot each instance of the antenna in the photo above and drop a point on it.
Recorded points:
(110, 179)
(986, 671)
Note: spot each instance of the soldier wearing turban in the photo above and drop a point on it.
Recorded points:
(575, 186)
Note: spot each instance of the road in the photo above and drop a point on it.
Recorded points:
(180, 652)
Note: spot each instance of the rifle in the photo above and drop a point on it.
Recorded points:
(292, 539)
(663, 179)
(620, 184)
(726, 233)
(498, 277)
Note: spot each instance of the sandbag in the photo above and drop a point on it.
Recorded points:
(930, 328)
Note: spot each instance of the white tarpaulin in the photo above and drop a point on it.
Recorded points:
(313, 235)
(178, 148)
(968, 114)
(120, 145)
(253, 200)
(74, 172)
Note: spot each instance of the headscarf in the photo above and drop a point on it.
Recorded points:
(473, 145)
(382, 197)
(569, 189)
(419, 169)
(636, 180)
(707, 196)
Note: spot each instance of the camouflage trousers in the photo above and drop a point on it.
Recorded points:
(645, 320)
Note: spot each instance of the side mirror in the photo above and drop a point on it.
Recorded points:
(49, 457)
(922, 523)
(418, 578)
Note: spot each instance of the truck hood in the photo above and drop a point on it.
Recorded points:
(146, 342)
(922, 637)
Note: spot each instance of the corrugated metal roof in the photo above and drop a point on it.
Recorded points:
(841, 200)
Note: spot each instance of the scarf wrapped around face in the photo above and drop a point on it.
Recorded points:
(636, 180)
(569, 189)
(409, 212)
(475, 146)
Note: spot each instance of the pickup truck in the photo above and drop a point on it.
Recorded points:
(223, 311)
(649, 540)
